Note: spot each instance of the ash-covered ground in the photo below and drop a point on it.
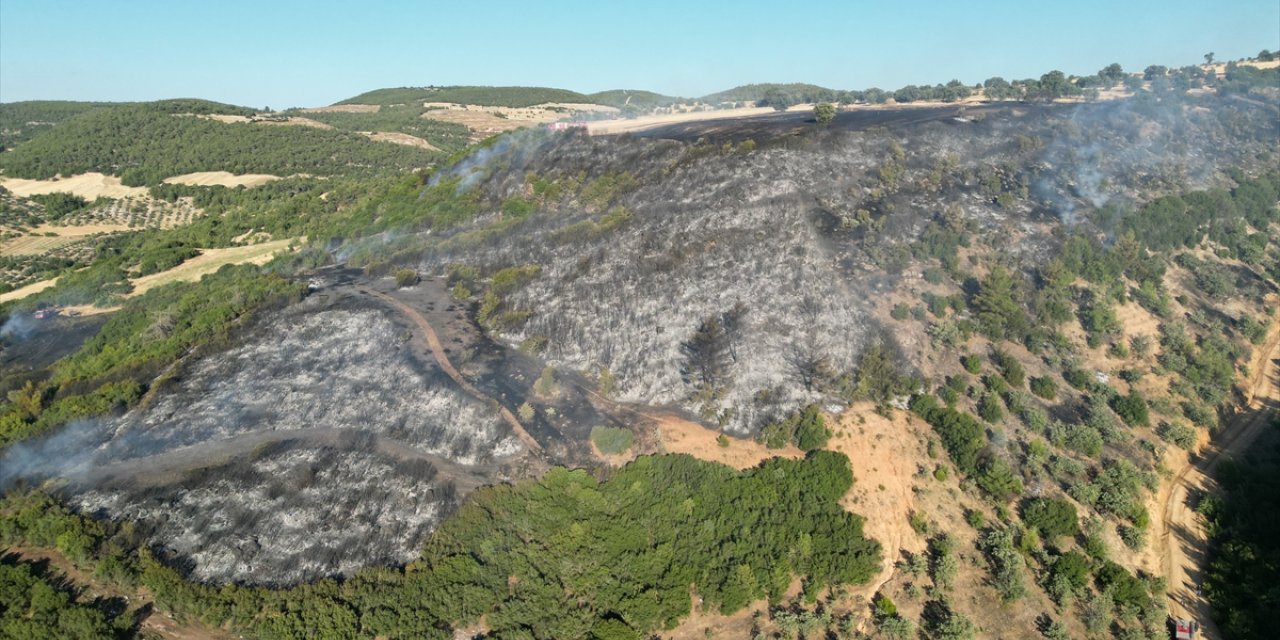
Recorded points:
(339, 368)
(324, 443)
(791, 231)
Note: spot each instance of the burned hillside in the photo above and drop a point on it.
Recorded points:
(322, 444)
(613, 256)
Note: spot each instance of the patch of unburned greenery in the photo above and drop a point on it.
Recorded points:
(612, 440)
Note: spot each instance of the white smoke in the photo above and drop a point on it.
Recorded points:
(471, 169)
(18, 327)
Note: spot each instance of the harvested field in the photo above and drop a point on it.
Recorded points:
(86, 185)
(31, 289)
(221, 178)
(34, 245)
(396, 137)
(627, 125)
(72, 240)
(345, 108)
(275, 120)
(211, 260)
(485, 121)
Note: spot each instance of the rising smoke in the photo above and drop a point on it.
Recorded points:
(18, 327)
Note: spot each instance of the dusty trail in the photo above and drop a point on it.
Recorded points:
(1181, 541)
(437, 350)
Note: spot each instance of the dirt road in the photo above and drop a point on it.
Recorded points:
(1181, 541)
(437, 350)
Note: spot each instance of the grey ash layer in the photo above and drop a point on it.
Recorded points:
(781, 229)
(268, 484)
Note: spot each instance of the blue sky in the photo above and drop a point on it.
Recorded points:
(282, 53)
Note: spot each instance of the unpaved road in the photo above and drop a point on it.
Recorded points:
(437, 350)
(1181, 541)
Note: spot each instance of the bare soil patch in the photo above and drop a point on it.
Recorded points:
(626, 125)
(484, 121)
(345, 108)
(677, 435)
(31, 289)
(396, 137)
(273, 120)
(86, 185)
(211, 260)
(613, 460)
(884, 453)
(221, 178)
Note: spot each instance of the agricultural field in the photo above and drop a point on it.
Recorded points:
(34, 247)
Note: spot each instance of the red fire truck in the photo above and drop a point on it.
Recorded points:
(1185, 629)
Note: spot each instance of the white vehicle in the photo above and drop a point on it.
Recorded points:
(1185, 629)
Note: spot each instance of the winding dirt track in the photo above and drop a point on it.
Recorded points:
(1181, 541)
(437, 350)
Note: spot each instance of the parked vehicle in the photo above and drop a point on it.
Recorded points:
(1185, 629)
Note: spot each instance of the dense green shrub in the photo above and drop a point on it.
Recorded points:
(1044, 387)
(962, 435)
(1053, 517)
(406, 277)
(35, 605)
(989, 408)
(1177, 433)
(807, 428)
(1132, 408)
(1080, 438)
(1009, 367)
(612, 440)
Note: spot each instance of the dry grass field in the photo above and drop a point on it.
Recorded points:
(86, 185)
(221, 178)
(211, 260)
(486, 121)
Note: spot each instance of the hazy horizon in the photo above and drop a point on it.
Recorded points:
(294, 54)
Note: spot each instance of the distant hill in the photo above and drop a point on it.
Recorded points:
(406, 119)
(145, 143)
(22, 121)
(513, 97)
(632, 97)
(798, 92)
